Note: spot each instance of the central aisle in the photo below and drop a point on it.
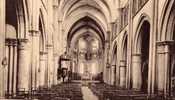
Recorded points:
(87, 94)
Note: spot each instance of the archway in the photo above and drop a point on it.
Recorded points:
(145, 31)
(123, 62)
(166, 68)
(85, 44)
(88, 57)
(141, 58)
(114, 66)
(41, 71)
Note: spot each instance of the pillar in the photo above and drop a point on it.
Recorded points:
(6, 67)
(105, 61)
(136, 72)
(123, 73)
(2, 47)
(11, 53)
(10, 66)
(108, 76)
(50, 67)
(42, 69)
(14, 70)
(163, 66)
(35, 58)
(55, 65)
(56, 40)
(113, 75)
(23, 65)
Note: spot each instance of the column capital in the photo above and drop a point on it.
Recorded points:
(55, 5)
(23, 40)
(43, 56)
(22, 43)
(136, 54)
(11, 42)
(113, 66)
(34, 33)
(163, 43)
(136, 58)
(122, 63)
(43, 53)
(48, 46)
(112, 22)
(60, 21)
(164, 46)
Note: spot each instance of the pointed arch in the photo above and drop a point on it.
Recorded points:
(124, 46)
(144, 18)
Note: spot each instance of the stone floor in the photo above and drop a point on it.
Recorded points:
(87, 94)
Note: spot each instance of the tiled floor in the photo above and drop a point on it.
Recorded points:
(87, 94)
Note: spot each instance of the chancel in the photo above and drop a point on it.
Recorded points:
(87, 49)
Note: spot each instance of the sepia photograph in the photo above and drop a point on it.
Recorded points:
(87, 49)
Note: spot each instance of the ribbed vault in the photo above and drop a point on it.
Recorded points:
(76, 15)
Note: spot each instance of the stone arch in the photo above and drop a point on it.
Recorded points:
(103, 6)
(42, 29)
(167, 37)
(123, 61)
(71, 21)
(166, 22)
(41, 69)
(144, 18)
(23, 18)
(114, 50)
(140, 57)
(124, 46)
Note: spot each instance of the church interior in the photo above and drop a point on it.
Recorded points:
(87, 50)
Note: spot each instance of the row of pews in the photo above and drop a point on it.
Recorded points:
(64, 91)
(108, 92)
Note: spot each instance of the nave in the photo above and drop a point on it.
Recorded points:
(89, 91)
(126, 45)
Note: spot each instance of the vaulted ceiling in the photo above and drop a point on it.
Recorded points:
(80, 17)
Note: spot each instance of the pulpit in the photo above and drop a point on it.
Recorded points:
(65, 67)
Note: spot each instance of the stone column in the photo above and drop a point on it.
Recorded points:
(9, 42)
(130, 45)
(23, 65)
(6, 67)
(50, 65)
(123, 73)
(56, 40)
(35, 58)
(55, 65)
(163, 65)
(42, 69)
(14, 70)
(2, 46)
(136, 72)
(105, 61)
(108, 72)
(160, 68)
(113, 75)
